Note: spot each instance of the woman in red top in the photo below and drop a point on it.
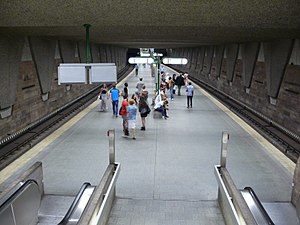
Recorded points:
(124, 114)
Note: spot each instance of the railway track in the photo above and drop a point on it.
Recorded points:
(283, 139)
(17, 144)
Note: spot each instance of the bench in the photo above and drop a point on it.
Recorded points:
(156, 114)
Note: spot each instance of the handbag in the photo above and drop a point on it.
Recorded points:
(144, 110)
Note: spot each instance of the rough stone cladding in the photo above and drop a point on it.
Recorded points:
(29, 106)
(286, 112)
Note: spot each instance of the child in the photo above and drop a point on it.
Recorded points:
(132, 110)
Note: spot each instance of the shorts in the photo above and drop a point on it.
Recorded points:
(131, 124)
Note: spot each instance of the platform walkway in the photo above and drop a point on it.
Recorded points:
(167, 173)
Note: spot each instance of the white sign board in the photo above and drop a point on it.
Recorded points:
(86, 73)
(72, 74)
(139, 60)
(103, 74)
(178, 61)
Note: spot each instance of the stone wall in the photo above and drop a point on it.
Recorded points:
(35, 86)
(285, 112)
(29, 106)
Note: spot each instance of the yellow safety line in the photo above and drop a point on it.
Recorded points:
(275, 152)
(26, 157)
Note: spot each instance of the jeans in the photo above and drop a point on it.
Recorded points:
(115, 107)
(125, 125)
(190, 101)
(162, 110)
(179, 87)
(171, 92)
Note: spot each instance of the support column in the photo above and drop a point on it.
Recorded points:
(82, 52)
(250, 53)
(201, 58)
(219, 59)
(108, 54)
(67, 51)
(232, 55)
(196, 50)
(277, 55)
(43, 52)
(95, 57)
(208, 60)
(10, 58)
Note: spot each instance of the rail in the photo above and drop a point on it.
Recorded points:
(25, 138)
(232, 204)
(255, 206)
(78, 205)
(285, 140)
(12, 210)
(100, 205)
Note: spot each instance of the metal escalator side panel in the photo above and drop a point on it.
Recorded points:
(255, 206)
(76, 209)
(6, 216)
(23, 205)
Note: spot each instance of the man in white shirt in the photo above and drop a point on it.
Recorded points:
(160, 107)
(139, 85)
(190, 94)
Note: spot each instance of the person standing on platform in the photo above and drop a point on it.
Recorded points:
(144, 108)
(186, 78)
(190, 94)
(103, 96)
(136, 69)
(132, 111)
(171, 88)
(124, 114)
(125, 90)
(114, 95)
(179, 82)
(139, 86)
(175, 84)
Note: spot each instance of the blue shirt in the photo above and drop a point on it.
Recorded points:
(132, 110)
(114, 94)
(190, 90)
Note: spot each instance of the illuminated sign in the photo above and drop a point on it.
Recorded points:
(138, 60)
(178, 61)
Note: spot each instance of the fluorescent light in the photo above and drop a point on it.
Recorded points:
(178, 61)
(138, 60)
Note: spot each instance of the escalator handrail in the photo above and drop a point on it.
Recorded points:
(74, 204)
(261, 208)
(15, 194)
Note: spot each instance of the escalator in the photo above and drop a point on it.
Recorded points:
(22, 206)
(78, 205)
(258, 211)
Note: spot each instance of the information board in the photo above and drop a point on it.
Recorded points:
(103, 74)
(86, 73)
(72, 74)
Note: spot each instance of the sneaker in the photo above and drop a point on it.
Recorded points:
(133, 138)
(143, 128)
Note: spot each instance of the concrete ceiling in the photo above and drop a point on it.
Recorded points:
(153, 23)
